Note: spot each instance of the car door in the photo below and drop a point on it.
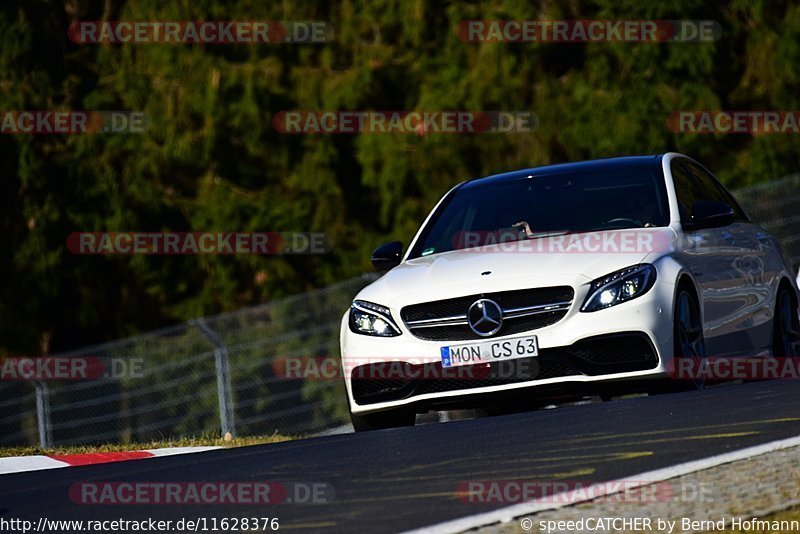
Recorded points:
(756, 266)
(722, 262)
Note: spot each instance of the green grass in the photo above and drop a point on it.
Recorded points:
(170, 442)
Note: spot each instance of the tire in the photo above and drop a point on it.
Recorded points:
(689, 341)
(382, 420)
(786, 325)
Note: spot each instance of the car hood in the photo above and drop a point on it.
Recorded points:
(531, 263)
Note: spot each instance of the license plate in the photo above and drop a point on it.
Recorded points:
(490, 351)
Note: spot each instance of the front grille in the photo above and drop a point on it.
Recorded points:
(614, 353)
(510, 326)
(595, 356)
(380, 390)
(508, 300)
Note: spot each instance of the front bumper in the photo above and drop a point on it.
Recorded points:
(592, 357)
(628, 342)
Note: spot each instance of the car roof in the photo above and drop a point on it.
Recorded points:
(652, 161)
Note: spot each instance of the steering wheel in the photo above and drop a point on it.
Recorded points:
(637, 223)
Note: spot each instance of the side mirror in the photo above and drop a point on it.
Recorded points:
(387, 256)
(710, 214)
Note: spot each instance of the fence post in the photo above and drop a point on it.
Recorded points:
(226, 417)
(43, 415)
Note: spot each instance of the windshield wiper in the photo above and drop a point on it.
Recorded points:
(554, 233)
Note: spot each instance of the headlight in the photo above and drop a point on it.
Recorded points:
(620, 286)
(372, 320)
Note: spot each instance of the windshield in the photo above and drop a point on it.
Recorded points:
(543, 206)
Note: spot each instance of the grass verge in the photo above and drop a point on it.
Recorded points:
(200, 441)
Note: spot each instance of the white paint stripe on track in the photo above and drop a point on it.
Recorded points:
(20, 464)
(569, 498)
(169, 451)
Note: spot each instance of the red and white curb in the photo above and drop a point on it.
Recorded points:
(21, 464)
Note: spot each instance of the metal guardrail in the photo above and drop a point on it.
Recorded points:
(217, 374)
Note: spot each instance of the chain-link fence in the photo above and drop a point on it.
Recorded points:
(211, 375)
(225, 373)
(776, 207)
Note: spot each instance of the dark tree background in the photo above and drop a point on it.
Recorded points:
(211, 160)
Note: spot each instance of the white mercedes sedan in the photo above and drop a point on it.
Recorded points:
(561, 281)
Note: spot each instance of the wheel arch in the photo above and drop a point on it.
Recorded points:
(784, 282)
(685, 280)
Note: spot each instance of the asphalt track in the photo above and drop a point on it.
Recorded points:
(407, 478)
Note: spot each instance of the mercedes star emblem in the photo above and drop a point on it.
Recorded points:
(485, 317)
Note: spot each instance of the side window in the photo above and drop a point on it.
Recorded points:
(722, 194)
(693, 184)
(689, 188)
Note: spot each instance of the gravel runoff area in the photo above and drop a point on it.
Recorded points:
(746, 489)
